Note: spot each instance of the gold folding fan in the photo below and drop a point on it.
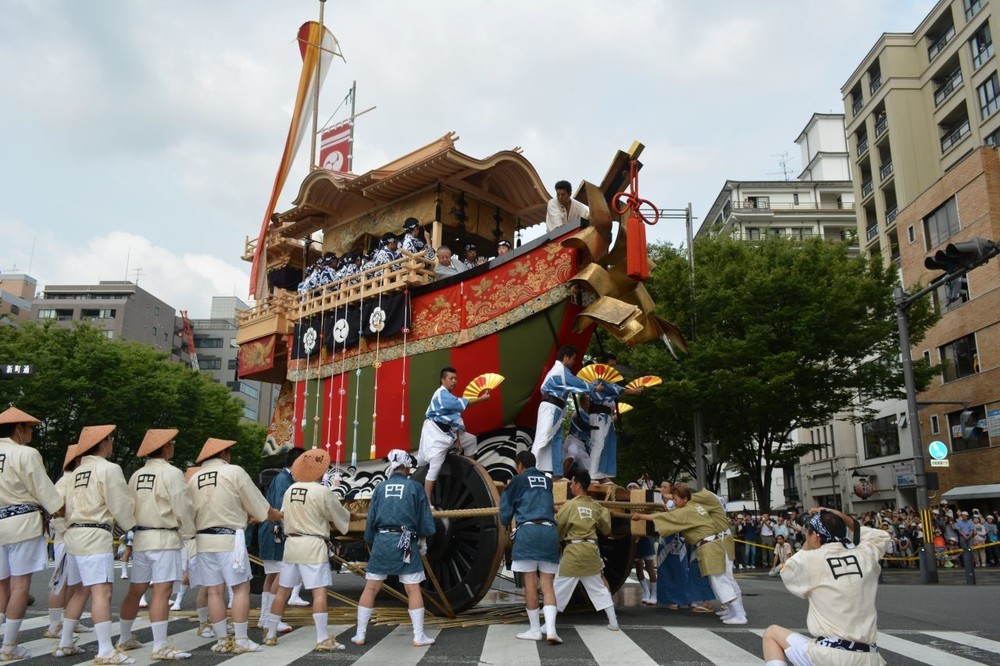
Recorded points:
(644, 382)
(484, 382)
(624, 407)
(601, 371)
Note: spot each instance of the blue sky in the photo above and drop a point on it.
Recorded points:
(147, 134)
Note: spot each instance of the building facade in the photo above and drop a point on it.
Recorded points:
(17, 297)
(922, 121)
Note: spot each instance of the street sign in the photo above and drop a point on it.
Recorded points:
(940, 463)
(938, 451)
(11, 370)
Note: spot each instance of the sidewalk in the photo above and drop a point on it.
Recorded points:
(890, 576)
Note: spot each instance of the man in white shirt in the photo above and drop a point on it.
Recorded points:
(447, 265)
(564, 209)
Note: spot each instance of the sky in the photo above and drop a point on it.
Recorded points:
(140, 139)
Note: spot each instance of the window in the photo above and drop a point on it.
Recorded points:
(795, 198)
(972, 8)
(992, 139)
(753, 233)
(760, 202)
(233, 364)
(207, 343)
(935, 425)
(110, 335)
(911, 234)
(249, 413)
(942, 224)
(210, 363)
(960, 443)
(46, 314)
(249, 391)
(989, 94)
(881, 437)
(981, 45)
(961, 356)
(949, 296)
(155, 331)
(156, 310)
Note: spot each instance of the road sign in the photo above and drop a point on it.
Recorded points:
(940, 463)
(11, 370)
(938, 451)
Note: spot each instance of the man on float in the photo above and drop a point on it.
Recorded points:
(224, 495)
(414, 239)
(164, 516)
(25, 493)
(399, 521)
(558, 384)
(564, 209)
(604, 440)
(447, 265)
(503, 247)
(444, 429)
(472, 257)
(309, 509)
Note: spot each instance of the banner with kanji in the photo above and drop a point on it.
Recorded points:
(335, 147)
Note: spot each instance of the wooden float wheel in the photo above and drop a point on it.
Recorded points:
(465, 552)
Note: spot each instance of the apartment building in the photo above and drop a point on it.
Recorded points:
(922, 126)
(17, 297)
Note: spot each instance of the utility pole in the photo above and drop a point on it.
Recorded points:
(701, 471)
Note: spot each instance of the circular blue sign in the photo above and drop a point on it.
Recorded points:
(938, 450)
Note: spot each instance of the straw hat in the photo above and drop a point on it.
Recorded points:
(71, 454)
(91, 436)
(214, 446)
(15, 415)
(311, 465)
(189, 472)
(156, 439)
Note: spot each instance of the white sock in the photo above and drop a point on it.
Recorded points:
(220, 630)
(126, 630)
(775, 662)
(644, 584)
(533, 618)
(272, 625)
(3, 616)
(550, 613)
(10, 631)
(612, 616)
(203, 615)
(159, 635)
(417, 618)
(296, 592)
(364, 614)
(266, 599)
(67, 633)
(55, 617)
(104, 646)
(322, 622)
(240, 628)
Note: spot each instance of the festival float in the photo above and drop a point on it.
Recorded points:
(359, 358)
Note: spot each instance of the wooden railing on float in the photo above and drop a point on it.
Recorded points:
(269, 307)
(408, 271)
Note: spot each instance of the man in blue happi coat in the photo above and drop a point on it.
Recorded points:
(528, 501)
(399, 517)
(604, 440)
(444, 429)
(271, 549)
(559, 383)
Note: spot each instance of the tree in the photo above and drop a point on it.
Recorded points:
(787, 336)
(82, 379)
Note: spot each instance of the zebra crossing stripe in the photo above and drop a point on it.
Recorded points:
(290, 647)
(966, 639)
(714, 648)
(44, 646)
(613, 647)
(500, 647)
(922, 653)
(396, 649)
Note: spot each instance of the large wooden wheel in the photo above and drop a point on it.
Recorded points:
(464, 554)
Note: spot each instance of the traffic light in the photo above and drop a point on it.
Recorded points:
(970, 425)
(962, 255)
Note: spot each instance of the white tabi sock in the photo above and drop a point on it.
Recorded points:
(776, 662)
(533, 618)
(220, 631)
(266, 599)
(272, 625)
(612, 617)
(55, 617)
(126, 630)
(104, 646)
(550, 613)
(67, 632)
(203, 615)
(10, 631)
(159, 635)
(644, 584)
(240, 629)
(364, 614)
(322, 622)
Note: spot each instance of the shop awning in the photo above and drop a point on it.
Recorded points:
(973, 492)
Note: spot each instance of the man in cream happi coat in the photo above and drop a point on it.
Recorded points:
(164, 516)
(25, 493)
(224, 495)
(309, 510)
(97, 499)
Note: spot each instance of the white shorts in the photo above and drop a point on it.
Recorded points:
(157, 566)
(594, 585)
(531, 566)
(272, 567)
(310, 576)
(89, 569)
(23, 558)
(405, 579)
(217, 569)
(798, 650)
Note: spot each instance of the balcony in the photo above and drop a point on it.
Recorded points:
(938, 44)
(881, 125)
(867, 187)
(268, 317)
(876, 82)
(954, 136)
(948, 87)
(872, 232)
(862, 145)
(890, 216)
(885, 170)
(856, 105)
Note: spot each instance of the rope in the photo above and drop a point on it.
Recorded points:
(357, 382)
(406, 332)
(379, 325)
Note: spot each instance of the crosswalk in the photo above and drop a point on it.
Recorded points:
(635, 645)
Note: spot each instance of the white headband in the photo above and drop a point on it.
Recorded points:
(398, 458)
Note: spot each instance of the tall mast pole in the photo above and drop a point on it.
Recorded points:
(319, 64)
(350, 144)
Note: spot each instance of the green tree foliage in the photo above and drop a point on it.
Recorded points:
(782, 335)
(82, 379)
